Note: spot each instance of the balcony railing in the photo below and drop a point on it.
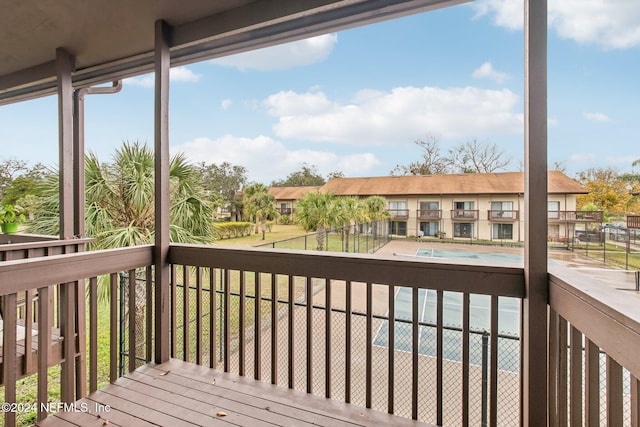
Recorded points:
(429, 214)
(633, 221)
(464, 214)
(502, 215)
(363, 329)
(398, 214)
(575, 216)
(284, 211)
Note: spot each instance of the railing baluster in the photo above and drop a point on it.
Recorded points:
(465, 358)
(439, 356)
(241, 324)
(149, 313)
(493, 381)
(614, 393)
(9, 376)
(274, 329)
(553, 368)
(415, 336)
(199, 315)
(347, 350)
(290, 333)
(174, 311)
(635, 401)
(28, 330)
(369, 351)
(186, 317)
(327, 335)
(575, 391)
(113, 327)
(562, 372)
(133, 308)
(81, 338)
(309, 301)
(257, 334)
(592, 383)
(44, 347)
(93, 334)
(213, 314)
(67, 322)
(227, 319)
(391, 349)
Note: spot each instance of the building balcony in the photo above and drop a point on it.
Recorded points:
(429, 214)
(363, 338)
(633, 221)
(285, 211)
(464, 214)
(502, 215)
(398, 214)
(575, 216)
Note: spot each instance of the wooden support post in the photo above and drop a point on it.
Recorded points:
(534, 337)
(161, 250)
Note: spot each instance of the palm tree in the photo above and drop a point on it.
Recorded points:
(319, 211)
(120, 201)
(352, 212)
(375, 210)
(261, 206)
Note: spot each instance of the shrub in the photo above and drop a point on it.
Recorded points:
(230, 230)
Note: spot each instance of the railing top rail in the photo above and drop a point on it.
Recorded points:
(379, 269)
(43, 244)
(608, 317)
(25, 274)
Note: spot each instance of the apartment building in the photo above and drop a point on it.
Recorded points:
(468, 206)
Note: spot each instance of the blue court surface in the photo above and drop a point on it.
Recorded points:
(479, 313)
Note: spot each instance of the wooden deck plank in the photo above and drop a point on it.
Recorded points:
(178, 393)
(87, 419)
(195, 411)
(230, 400)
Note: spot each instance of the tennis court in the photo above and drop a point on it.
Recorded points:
(479, 314)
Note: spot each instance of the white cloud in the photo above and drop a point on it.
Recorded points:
(267, 159)
(226, 104)
(395, 117)
(609, 24)
(622, 160)
(280, 57)
(178, 74)
(582, 157)
(596, 117)
(486, 71)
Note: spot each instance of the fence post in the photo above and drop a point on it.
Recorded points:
(638, 281)
(485, 372)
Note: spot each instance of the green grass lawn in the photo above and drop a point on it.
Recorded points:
(278, 232)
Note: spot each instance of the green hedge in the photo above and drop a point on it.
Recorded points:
(230, 230)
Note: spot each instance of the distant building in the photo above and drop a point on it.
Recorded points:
(465, 206)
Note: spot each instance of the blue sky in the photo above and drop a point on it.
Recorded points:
(355, 101)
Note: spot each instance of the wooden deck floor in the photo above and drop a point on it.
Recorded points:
(179, 394)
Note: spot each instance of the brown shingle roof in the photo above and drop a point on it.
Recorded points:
(473, 183)
(291, 193)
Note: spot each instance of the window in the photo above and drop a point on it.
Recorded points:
(502, 210)
(467, 206)
(429, 228)
(399, 228)
(463, 229)
(430, 206)
(398, 209)
(464, 210)
(502, 231)
(553, 210)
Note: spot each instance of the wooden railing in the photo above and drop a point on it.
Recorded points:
(502, 215)
(426, 214)
(334, 325)
(575, 216)
(18, 246)
(364, 329)
(594, 343)
(398, 213)
(52, 329)
(464, 214)
(633, 221)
